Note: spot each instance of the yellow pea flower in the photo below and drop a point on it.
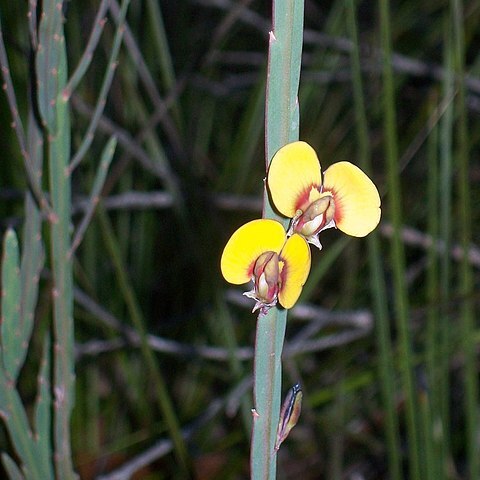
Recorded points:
(346, 199)
(278, 266)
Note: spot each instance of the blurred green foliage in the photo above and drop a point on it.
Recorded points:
(186, 106)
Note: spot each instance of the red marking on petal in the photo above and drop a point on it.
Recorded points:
(338, 215)
(303, 200)
(251, 267)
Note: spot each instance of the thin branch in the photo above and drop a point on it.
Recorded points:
(124, 139)
(84, 63)
(128, 201)
(32, 176)
(94, 198)
(102, 97)
(415, 238)
(148, 82)
(317, 317)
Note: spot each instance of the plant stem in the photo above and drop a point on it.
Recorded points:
(377, 283)
(282, 127)
(397, 248)
(51, 66)
(466, 277)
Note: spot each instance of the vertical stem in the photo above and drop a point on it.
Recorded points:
(377, 283)
(397, 250)
(466, 278)
(282, 126)
(51, 66)
(445, 230)
(165, 403)
(433, 450)
(58, 154)
(267, 392)
(282, 113)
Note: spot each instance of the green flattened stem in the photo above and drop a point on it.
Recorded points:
(401, 300)
(51, 69)
(15, 419)
(20, 278)
(11, 294)
(466, 287)
(33, 255)
(43, 413)
(377, 282)
(267, 392)
(282, 124)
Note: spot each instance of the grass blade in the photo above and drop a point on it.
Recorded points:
(164, 401)
(397, 249)
(378, 290)
(107, 82)
(51, 68)
(98, 183)
(43, 415)
(466, 287)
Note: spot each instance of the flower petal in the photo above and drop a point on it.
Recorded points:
(294, 177)
(246, 245)
(296, 257)
(357, 202)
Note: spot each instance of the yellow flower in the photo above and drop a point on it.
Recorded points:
(347, 199)
(260, 251)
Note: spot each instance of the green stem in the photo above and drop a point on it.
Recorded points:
(466, 278)
(19, 429)
(377, 283)
(282, 127)
(267, 392)
(433, 449)
(51, 65)
(445, 230)
(397, 250)
(164, 401)
(106, 83)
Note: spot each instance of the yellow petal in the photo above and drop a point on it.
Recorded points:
(296, 257)
(357, 202)
(246, 245)
(294, 178)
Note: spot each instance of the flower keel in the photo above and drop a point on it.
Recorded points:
(266, 274)
(318, 216)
